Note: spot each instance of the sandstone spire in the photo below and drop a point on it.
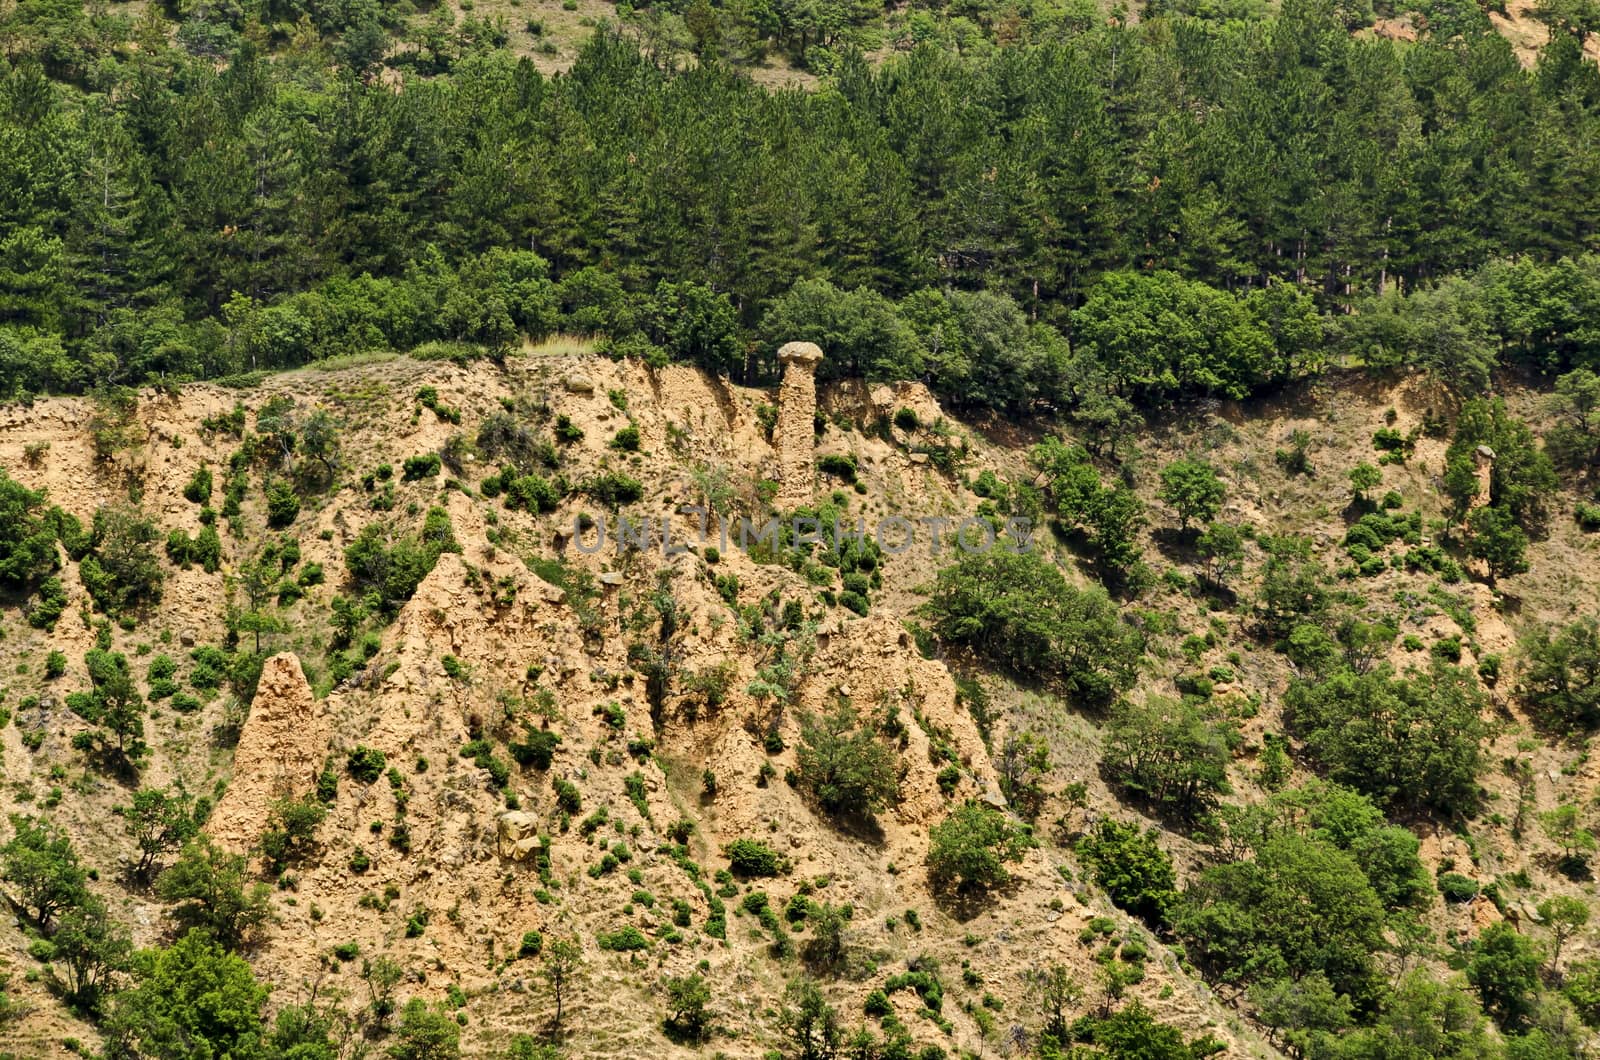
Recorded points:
(796, 435)
(280, 752)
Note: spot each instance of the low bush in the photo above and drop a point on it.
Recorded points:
(365, 764)
(751, 858)
(623, 940)
(1457, 888)
(839, 465)
(420, 467)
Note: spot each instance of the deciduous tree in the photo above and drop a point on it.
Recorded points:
(1193, 490)
(844, 765)
(191, 1001)
(970, 848)
(42, 868)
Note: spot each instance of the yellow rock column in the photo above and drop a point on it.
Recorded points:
(796, 434)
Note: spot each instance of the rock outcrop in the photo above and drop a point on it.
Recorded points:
(1483, 469)
(796, 434)
(280, 753)
(517, 835)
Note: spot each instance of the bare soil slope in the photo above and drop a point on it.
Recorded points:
(435, 866)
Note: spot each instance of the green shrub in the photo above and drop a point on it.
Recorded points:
(47, 604)
(206, 549)
(419, 467)
(532, 944)
(1457, 888)
(428, 398)
(328, 785)
(591, 824)
(1387, 439)
(179, 548)
(924, 984)
(1018, 611)
(970, 847)
(623, 940)
(391, 569)
(198, 489)
(566, 431)
(634, 785)
(877, 1004)
(532, 493)
(614, 488)
(283, 504)
(291, 830)
(365, 764)
(121, 570)
(1131, 867)
(210, 668)
(844, 765)
(751, 858)
(536, 750)
(839, 465)
(481, 752)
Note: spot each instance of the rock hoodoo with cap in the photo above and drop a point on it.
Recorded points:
(796, 434)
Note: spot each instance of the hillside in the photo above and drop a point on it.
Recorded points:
(812, 531)
(656, 673)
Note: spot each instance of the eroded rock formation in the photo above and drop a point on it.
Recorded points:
(280, 753)
(796, 434)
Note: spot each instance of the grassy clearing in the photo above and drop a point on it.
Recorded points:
(342, 361)
(558, 346)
